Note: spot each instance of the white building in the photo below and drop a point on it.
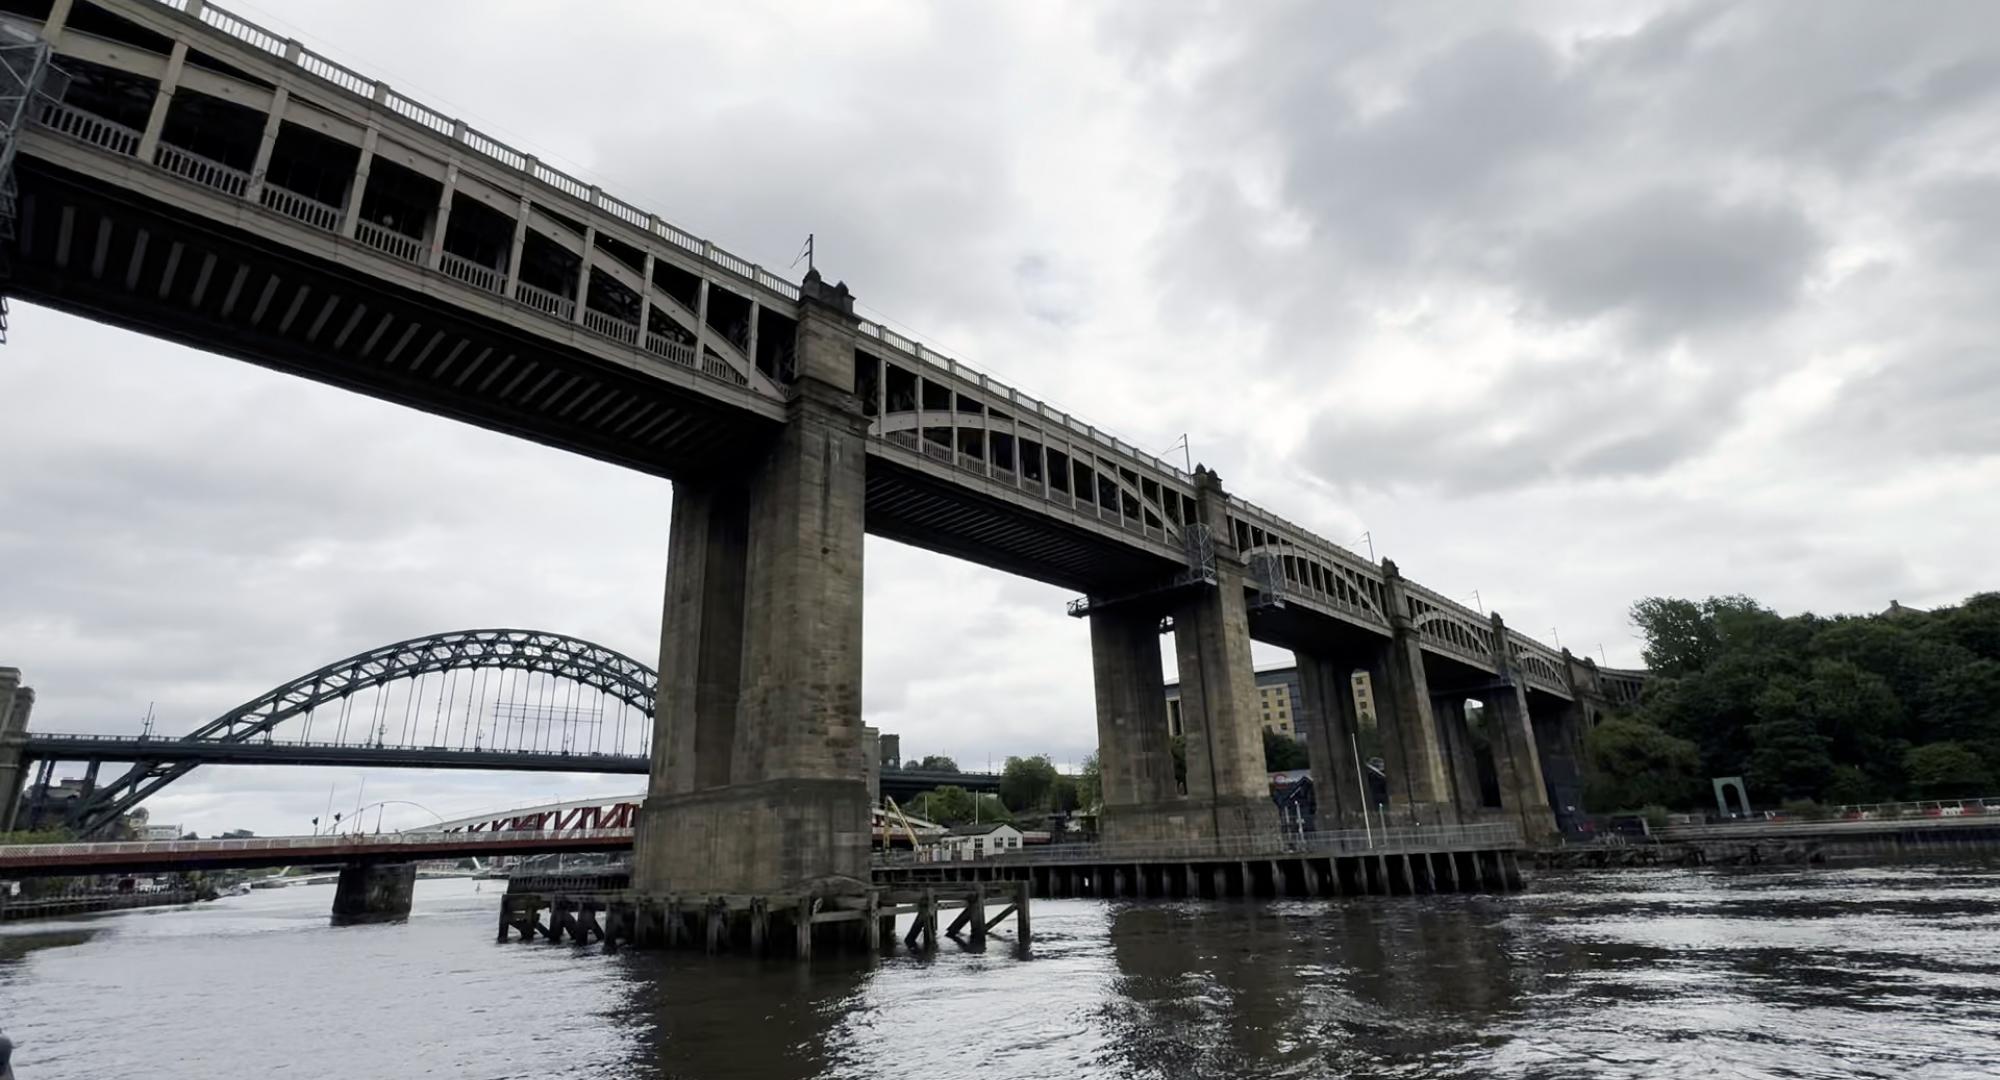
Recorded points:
(977, 841)
(160, 832)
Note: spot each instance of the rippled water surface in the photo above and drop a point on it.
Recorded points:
(1819, 973)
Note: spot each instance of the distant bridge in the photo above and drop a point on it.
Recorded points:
(171, 856)
(476, 720)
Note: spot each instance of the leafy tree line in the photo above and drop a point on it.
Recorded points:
(1848, 709)
(1032, 789)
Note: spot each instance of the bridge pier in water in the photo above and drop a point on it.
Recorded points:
(759, 777)
(16, 701)
(374, 892)
(1227, 790)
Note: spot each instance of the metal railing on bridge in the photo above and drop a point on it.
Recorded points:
(317, 846)
(1480, 837)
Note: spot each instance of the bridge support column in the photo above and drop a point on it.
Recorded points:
(1219, 714)
(1558, 728)
(374, 892)
(16, 701)
(1412, 758)
(1333, 733)
(759, 783)
(1462, 763)
(1141, 800)
(1523, 793)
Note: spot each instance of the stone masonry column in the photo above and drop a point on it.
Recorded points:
(16, 701)
(759, 783)
(1141, 800)
(1419, 784)
(1456, 738)
(1522, 792)
(1332, 727)
(374, 892)
(1219, 715)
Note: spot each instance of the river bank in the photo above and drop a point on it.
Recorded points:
(60, 907)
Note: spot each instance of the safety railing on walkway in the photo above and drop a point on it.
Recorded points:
(1481, 837)
(142, 742)
(327, 845)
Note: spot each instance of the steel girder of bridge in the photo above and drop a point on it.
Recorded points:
(656, 349)
(233, 735)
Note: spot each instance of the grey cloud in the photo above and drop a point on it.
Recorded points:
(1671, 261)
(1538, 423)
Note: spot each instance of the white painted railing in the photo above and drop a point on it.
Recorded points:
(679, 352)
(389, 241)
(471, 273)
(89, 128)
(300, 208)
(201, 170)
(610, 326)
(548, 303)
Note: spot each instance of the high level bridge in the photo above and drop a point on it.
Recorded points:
(188, 174)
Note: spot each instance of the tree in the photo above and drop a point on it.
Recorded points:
(1630, 763)
(1065, 798)
(1090, 785)
(1684, 636)
(1028, 783)
(953, 805)
(1947, 770)
(933, 763)
(1282, 752)
(946, 805)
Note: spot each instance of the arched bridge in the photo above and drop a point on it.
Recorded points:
(479, 699)
(510, 709)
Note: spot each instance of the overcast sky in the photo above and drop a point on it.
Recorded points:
(1568, 304)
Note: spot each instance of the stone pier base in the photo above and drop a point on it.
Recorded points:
(374, 892)
(802, 837)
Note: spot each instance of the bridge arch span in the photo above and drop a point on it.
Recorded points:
(554, 655)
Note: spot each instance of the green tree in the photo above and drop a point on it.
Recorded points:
(1065, 799)
(946, 805)
(1947, 770)
(1282, 752)
(1630, 763)
(1090, 785)
(935, 763)
(953, 805)
(1028, 783)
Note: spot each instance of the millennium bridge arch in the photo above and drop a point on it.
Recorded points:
(538, 663)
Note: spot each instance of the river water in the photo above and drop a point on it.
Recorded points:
(1807, 973)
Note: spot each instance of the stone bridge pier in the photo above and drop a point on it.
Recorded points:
(758, 780)
(374, 892)
(1227, 792)
(1415, 742)
(16, 701)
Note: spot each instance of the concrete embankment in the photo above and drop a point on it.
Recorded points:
(55, 907)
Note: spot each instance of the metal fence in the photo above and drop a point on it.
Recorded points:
(1484, 836)
(328, 844)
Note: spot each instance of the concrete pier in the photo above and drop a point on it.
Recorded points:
(16, 701)
(1227, 791)
(759, 777)
(374, 892)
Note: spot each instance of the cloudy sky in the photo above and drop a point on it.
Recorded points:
(1567, 304)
